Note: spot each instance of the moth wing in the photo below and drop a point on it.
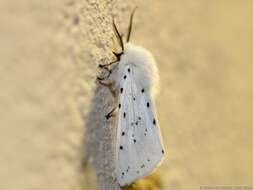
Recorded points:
(139, 146)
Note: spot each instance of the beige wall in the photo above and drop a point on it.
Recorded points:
(49, 55)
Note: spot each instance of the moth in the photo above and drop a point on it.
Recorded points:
(133, 80)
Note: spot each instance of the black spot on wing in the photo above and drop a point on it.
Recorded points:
(121, 90)
(124, 114)
(154, 122)
(142, 90)
(134, 140)
(128, 70)
(147, 104)
(162, 151)
(123, 133)
(119, 106)
(121, 147)
(125, 76)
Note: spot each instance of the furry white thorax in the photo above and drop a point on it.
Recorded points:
(144, 66)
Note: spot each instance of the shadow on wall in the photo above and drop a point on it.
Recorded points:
(99, 139)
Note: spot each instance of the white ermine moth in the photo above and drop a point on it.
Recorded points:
(133, 79)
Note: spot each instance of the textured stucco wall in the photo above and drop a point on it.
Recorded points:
(53, 133)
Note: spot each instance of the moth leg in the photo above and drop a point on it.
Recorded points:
(106, 65)
(107, 83)
(106, 77)
(117, 55)
(110, 114)
(103, 82)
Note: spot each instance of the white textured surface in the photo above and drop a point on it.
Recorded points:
(49, 54)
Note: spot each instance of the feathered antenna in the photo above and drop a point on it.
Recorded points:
(118, 37)
(130, 25)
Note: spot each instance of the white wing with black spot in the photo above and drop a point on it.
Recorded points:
(139, 146)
